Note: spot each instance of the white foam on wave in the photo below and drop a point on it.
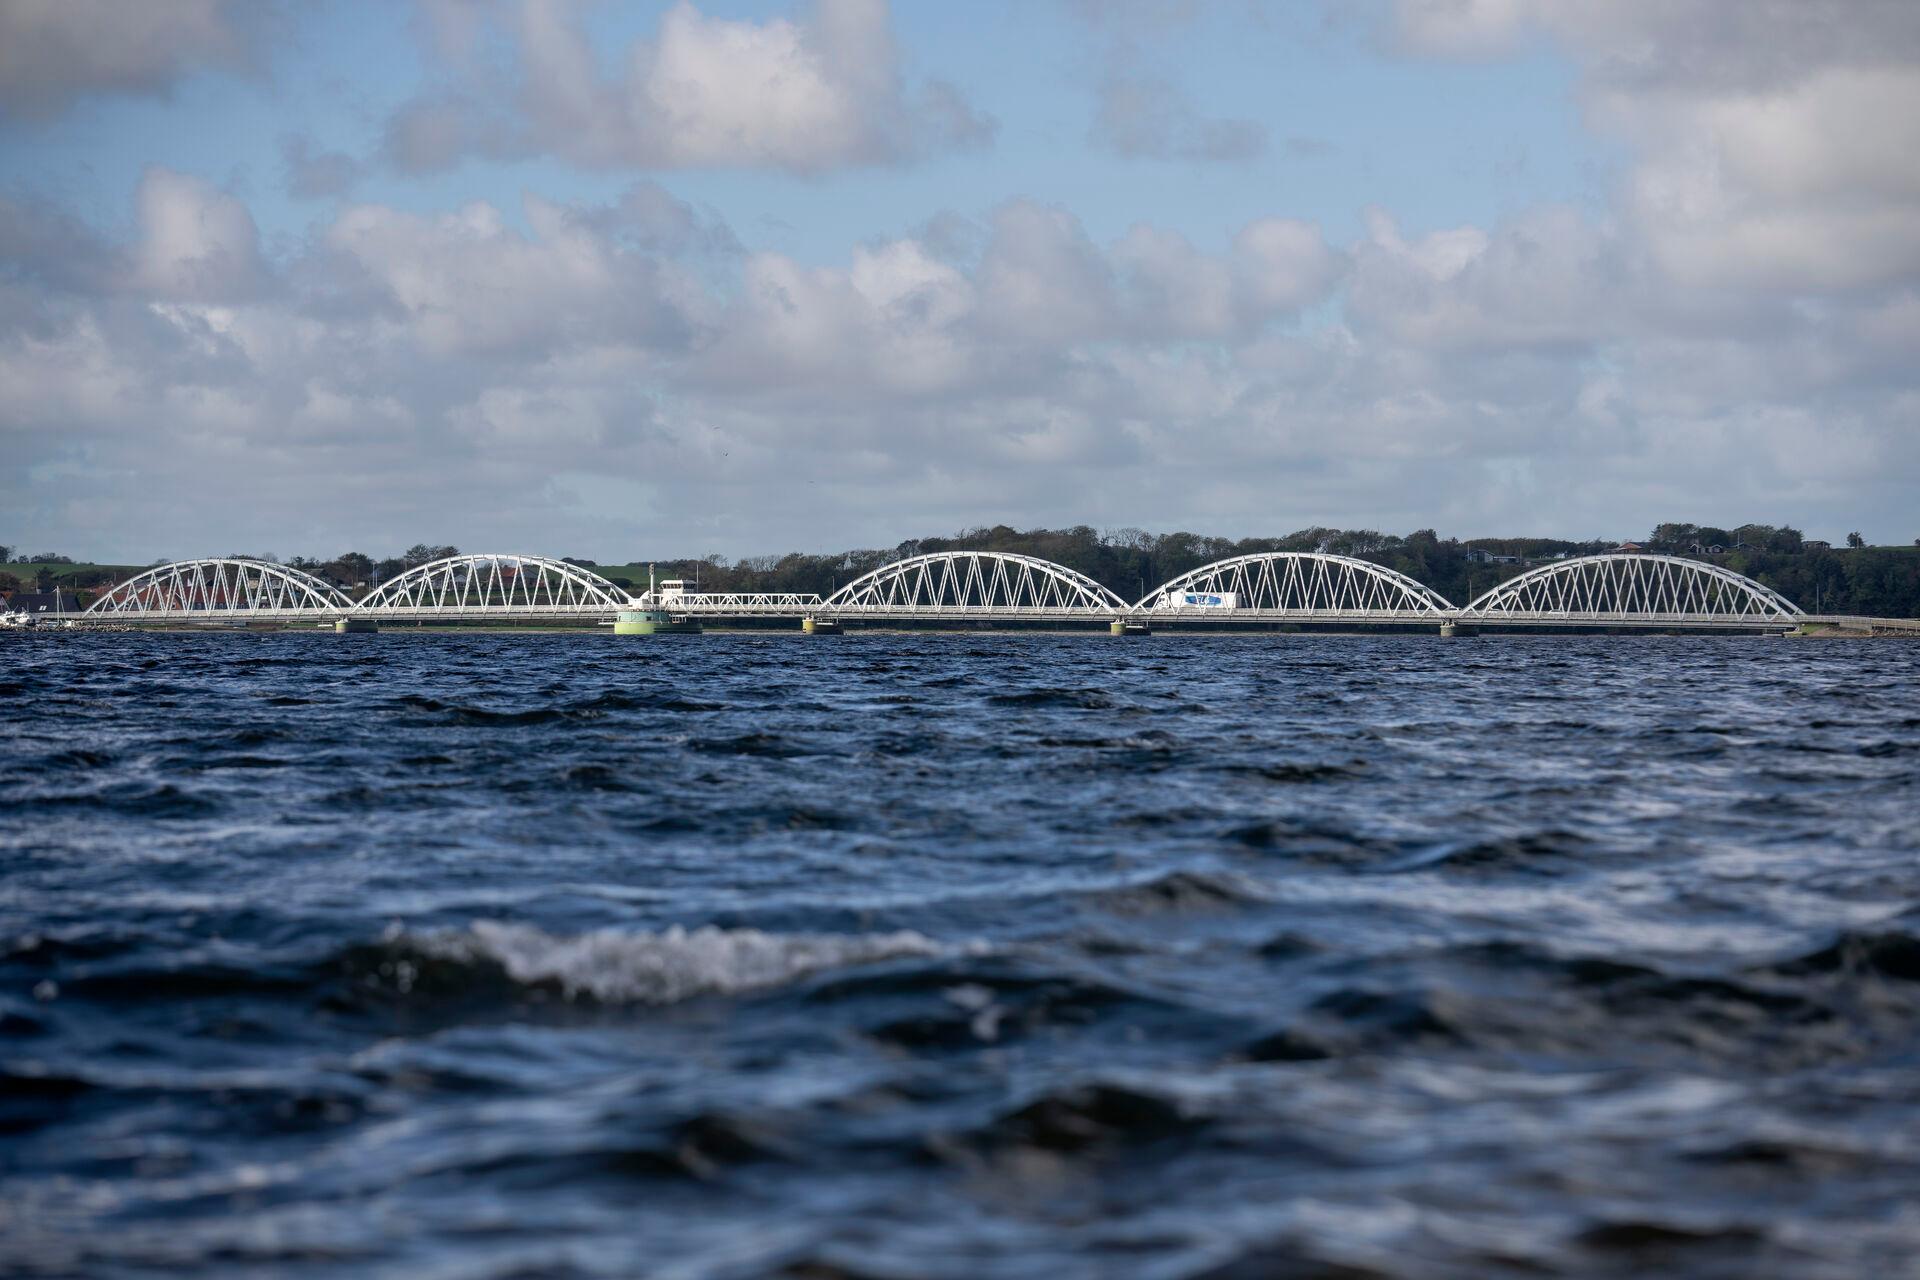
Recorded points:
(674, 964)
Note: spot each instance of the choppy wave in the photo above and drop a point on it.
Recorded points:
(617, 967)
(947, 958)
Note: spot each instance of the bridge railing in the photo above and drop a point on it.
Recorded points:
(746, 604)
(1857, 622)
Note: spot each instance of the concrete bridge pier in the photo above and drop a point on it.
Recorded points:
(820, 626)
(354, 626)
(1123, 627)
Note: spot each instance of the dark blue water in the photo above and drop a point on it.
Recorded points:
(959, 956)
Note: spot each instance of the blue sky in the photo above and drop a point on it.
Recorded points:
(1440, 143)
(1239, 267)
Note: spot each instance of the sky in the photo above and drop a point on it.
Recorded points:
(645, 280)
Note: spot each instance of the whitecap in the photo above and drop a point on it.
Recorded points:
(616, 966)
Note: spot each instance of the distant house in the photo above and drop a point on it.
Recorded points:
(1815, 544)
(1476, 555)
(1629, 546)
(58, 601)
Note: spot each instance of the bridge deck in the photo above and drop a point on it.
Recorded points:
(1854, 622)
(798, 607)
(803, 607)
(1610, 590)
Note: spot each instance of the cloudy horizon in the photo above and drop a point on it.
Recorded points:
(668, 279)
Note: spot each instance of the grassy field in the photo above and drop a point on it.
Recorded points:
(63, 574)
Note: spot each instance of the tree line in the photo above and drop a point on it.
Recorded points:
(1883, 581)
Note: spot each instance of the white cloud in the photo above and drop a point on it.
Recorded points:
(1810, 186)
(196, 242)
(1042, 279)
(806, 96)
(1284, 264)
(1773, 140)
(1173, 287)
(618, 378)
(467, 283)
(1549, 277)
(55, 52)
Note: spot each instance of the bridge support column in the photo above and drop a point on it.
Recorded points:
(1122, 627)
(354, 626)
(1447, 631)
(820, 626)
(652, 622)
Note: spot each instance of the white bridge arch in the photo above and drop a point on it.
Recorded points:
(1308, 585)
(1622, 587)
(975, 584)
(1614, 589)
(223, 588)
(494, 585)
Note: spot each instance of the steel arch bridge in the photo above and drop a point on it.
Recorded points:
(223, 588)
(974, 586)
(483, 586)
(1611, 590)
(1295, 586)
(1621, 589)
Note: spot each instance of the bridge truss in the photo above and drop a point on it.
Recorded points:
(1619, 589)
(238, 590)
(1296, 586)
(974, 586)
(503, 586)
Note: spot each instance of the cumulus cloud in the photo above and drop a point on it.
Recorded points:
(1812, 185)
(55, 52)
(904, 320)
(465, 283)
(1042, 279)
(197, 243)
(805, 96)
(1284, 264)
(653, 218)
(1773, 141)
(626, 376)
(44, 246)
(527, 367)
(1547, 278)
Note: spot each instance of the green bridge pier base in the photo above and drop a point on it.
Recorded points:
(820, 626)
(1122, 627)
